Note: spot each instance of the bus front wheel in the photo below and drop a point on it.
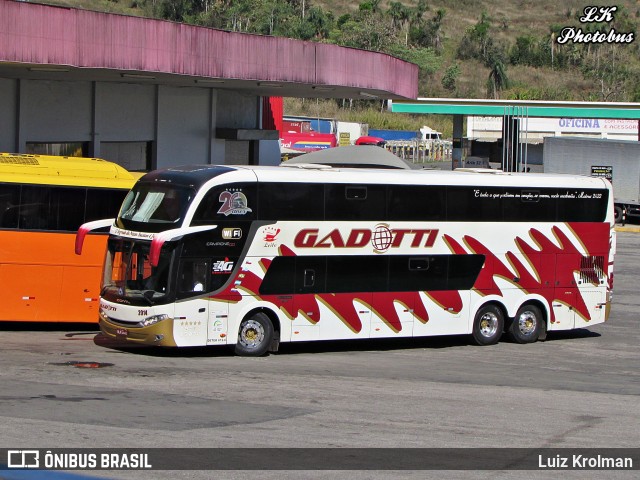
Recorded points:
(254, 335)
(526, 325)
(488, 325)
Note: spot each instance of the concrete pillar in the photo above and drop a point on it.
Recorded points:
(94, 143)
(456, 153)
(21, 122)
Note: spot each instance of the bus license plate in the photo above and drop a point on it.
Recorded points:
(121, 332)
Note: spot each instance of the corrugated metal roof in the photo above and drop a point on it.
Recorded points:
(47, 35)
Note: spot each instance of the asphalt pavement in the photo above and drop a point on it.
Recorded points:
(68, 387)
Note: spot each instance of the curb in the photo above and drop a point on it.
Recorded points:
(620, 228)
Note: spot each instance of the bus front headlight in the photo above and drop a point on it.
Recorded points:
(153, 319)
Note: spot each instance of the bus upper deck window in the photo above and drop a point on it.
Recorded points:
(356, 193)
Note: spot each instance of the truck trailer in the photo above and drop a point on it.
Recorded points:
(616, 160)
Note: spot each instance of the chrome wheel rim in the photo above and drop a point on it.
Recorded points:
(527, 323)
(488, 324)
(251, 334)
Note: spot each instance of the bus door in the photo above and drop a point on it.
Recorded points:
(191, 317)
(218, 323)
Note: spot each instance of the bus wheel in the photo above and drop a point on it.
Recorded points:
(527, 324)
(254, 336)
(488, 325)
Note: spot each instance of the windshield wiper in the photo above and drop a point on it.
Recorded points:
(148, 296)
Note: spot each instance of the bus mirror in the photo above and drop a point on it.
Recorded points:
(154, 251)
(86, 228)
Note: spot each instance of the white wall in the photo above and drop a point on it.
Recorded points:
(125, 112)
(184, 126)
(53, 111)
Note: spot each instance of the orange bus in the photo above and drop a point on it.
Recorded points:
(43, 201)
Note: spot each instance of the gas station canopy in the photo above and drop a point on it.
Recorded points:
(497, 108)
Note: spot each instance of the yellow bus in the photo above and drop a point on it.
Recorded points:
(43, 201)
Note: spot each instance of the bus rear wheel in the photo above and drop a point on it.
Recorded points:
(254, 335)
(526, 325)
(488, 325)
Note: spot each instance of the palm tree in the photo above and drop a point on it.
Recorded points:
(436, 29)
(498, 79)
(400, 15)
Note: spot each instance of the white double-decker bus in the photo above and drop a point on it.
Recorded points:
(255, 256)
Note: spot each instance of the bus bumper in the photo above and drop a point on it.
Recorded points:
(160, 334)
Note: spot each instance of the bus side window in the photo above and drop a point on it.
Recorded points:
(416, 202)
(34, 208)
(9, 205)
(67, 208)
(205, 212)
(355, 202)
(192, 277)
(291, 201)
(311, 274)
(103, 203)
(309, 277)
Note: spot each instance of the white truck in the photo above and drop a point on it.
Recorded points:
(616, 160)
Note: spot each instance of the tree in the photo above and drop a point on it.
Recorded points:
(498, 79)
(320, 23)
(450, 76)
(368, 29)
(435, 29)
(521, 52)
(370, 5)
(426, 59)
(476, 41)
(176, 10)
(608, 72)
(400, 15)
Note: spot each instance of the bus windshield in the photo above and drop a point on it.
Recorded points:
(128, 272)
(158, 206)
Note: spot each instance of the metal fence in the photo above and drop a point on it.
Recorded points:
(421, 151)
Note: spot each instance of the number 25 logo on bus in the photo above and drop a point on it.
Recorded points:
(233, 203)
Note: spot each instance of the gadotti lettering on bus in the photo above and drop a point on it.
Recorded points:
(381, 237)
